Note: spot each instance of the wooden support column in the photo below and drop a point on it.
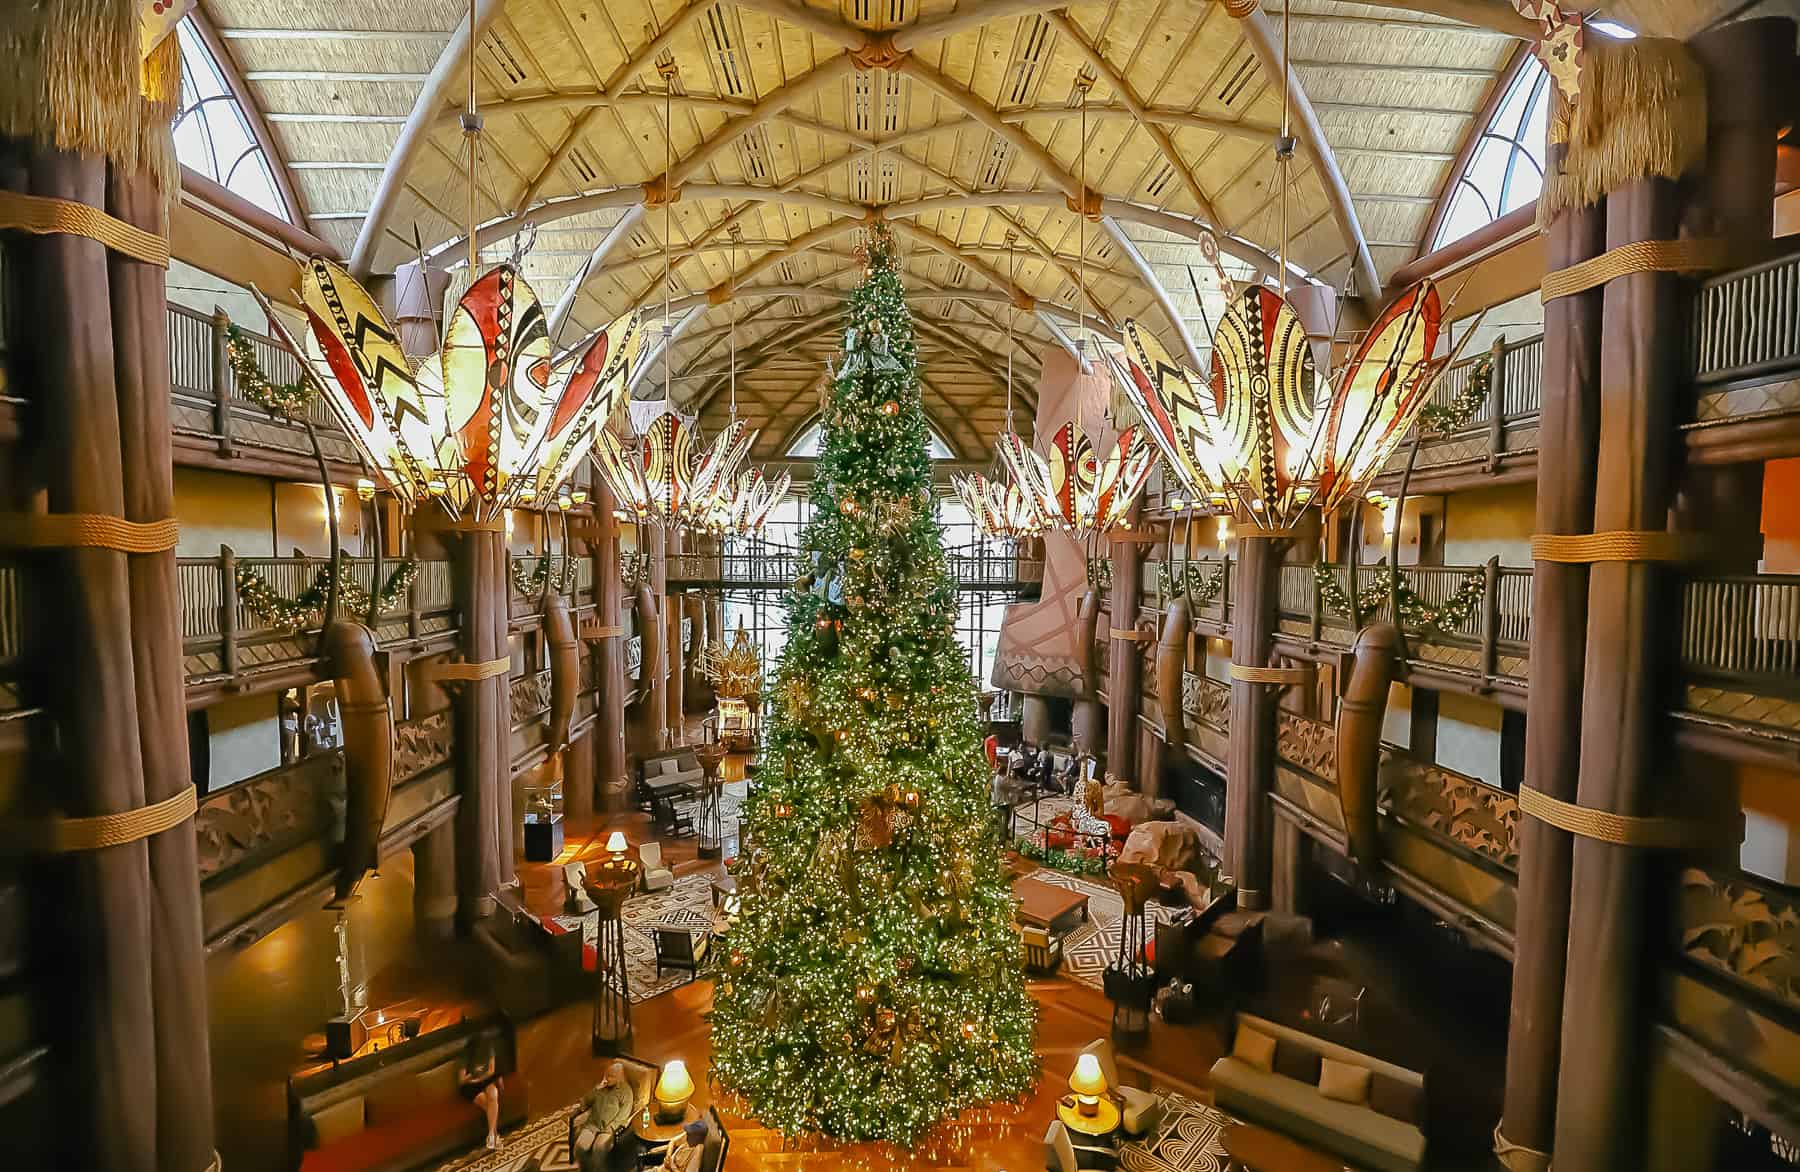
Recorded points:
(578, 777)
(484, 728)
(1600, 1095)
(1125, 664)
(1250, 755)
(654, 674)
(1568, 440)
(675, 658)
(609, 752)
(1288, 896)
(434, 882)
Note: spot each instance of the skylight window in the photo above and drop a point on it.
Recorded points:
(212, 133)
(1506, 169)
(811, 443)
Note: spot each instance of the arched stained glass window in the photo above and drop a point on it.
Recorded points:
(1506, 169)
(212, 133)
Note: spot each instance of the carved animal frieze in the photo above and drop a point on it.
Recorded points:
(530, 697)
(1751, 932)
(421, 745)
(1307, 744)
(1206, 700)
(1468, 812)
(268, 813)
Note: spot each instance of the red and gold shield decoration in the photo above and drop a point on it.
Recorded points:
(1171, 400)
(1379, 394)
(1265, 398)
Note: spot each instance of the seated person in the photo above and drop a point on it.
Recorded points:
(607, 1110)
(683, 1152)
(481, 1083)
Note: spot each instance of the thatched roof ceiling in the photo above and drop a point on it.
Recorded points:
(782, 144)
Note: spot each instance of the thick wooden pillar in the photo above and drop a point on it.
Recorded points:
(609, 593)
(654, 674)
(484, 729)
(1125, 664)
(578, 777)
(1623, 733)
(434, 882)
(1288, 895)
(1250, 756)
(1568, 439)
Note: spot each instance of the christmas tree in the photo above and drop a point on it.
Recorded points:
(870, 986)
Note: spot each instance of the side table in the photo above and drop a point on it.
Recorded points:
(609, 883)
(654, 1138)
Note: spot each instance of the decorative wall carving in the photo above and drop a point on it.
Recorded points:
(421, 745)
(530, 697)
(1206, 700)
(1306, 744)
(634, 656)
(269, 813)
(1468, 812)
(1750, 932)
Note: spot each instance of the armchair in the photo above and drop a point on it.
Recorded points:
(575, 897)
(1065, 1151)
(656, 876)
(1139, 1110)
(594, 1148)
(679, 947)
(1043, 952)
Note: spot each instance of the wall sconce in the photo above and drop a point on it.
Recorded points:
(673, 1090)
(565, 502)
(1224, 532)
(579, 496)
(365, 488)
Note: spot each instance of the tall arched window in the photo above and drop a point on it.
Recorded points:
(811, 442)
(1506, 169)
(212, 133)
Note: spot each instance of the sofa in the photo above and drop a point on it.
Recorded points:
(663, 778)
(401, 1107)
(1385, 1130)
(532, 965)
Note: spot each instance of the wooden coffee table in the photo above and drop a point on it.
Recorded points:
(1056, 910)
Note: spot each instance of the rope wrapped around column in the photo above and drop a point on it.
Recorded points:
(61, 836)
(1622, 545)
(1640, 256)
(485, 670)
(87, 530)
(1650, 833)
(1280, 676)
(43, 215)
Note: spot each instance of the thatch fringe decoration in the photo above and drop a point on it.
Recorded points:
(74, 81)
(1642, 113)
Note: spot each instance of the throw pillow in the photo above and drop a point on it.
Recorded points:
(394, 1099)
(1298, 1062)
(1344, 1081)
(1397, 1100)
(1254, 1047)
(338, 1121)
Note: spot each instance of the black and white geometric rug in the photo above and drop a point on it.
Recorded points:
(687, 904)
(1190, 1138)
(546, 1140)
(1089, 949)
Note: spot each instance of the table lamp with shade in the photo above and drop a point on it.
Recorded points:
(673, 1090)
(616, 845)
(1089, 1083)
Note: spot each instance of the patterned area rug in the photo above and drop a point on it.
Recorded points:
(1094, 945)
(1190, 1138)
(545, 1140)
(688, 904)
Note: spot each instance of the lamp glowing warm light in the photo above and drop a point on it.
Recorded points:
(673, 1089)
(365, 488)
(616, 845)
(1089, 1083)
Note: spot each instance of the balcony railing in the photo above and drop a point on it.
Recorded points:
(772, 567)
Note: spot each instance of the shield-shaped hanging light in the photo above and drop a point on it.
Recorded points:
(489, 422)
(998, 508)
(1265, 437)
(1076, 489)
(745, 510)
(663, 483)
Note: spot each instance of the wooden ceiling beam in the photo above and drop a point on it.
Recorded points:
(967, 15)
(441, 84)
(976, 107)
(1497, 15)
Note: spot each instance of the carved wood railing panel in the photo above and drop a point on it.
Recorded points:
(1744, 322)
(530, 697)
(1742, 927)
(269, 813)
(1463, 809)
(422, 745)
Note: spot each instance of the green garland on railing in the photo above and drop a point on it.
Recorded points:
(1199, 590)
(531, 585)
(289, 615)
(1414, 610)
(1068, 862)
(277, 398)
(1444, 418)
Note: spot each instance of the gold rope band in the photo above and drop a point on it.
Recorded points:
(1617, 545)
(62, 836)
(605, 631)
(1271, 675)
(43, 215)
(1641, 256)
(1627, 829)
(93, 530)
(486, 670)
(1129, 633)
